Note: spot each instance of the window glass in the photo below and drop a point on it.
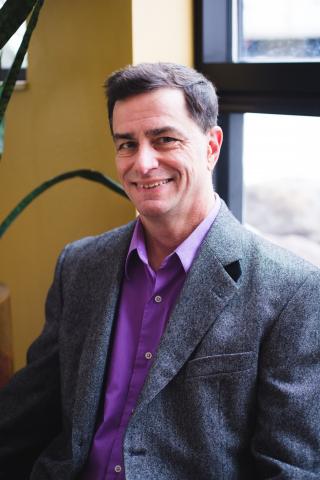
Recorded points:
(279, 30)
(281, 164)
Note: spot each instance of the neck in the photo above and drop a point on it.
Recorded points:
(163, 235)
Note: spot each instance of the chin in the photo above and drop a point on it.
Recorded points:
(151, 207)
(152, 211)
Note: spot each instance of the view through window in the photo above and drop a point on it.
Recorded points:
(281, 161)
(279, 30)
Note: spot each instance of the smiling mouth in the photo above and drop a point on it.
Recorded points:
(149, 186)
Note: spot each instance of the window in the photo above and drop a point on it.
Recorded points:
(278, 31)
(256, 70)
(281, 173)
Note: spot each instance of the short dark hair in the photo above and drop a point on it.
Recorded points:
(199, 93)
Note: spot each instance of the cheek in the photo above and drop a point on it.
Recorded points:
(182, 162)
(121, 167)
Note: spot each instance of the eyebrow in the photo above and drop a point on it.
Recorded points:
(123, 136)
(153, 132)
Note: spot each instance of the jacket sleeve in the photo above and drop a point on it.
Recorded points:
(30, 410)
(286, 444)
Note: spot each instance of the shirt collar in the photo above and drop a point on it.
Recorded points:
(137, 245)
(186, 251)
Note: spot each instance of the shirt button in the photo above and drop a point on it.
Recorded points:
(117, 468)
(158, 298)
(148, 355)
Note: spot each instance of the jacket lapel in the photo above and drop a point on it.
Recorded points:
(207, 290)
(104, 294)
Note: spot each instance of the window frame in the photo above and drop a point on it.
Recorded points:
(279, 88)
(22, 75)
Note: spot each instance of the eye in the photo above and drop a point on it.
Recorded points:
(126, 146)
(167, 139)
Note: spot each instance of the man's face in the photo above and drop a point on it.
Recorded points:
(164, 160)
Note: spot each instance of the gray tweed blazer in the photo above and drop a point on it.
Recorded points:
(234, 389)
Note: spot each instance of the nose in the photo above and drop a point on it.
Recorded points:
(146, 159)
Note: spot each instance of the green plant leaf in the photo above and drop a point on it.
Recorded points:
(12, 15)
(10, 81)
(83, 173)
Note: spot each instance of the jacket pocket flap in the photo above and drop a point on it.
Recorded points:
(226, 363)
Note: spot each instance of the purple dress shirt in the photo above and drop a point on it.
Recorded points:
(147, 298)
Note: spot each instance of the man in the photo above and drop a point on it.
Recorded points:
(180, 346)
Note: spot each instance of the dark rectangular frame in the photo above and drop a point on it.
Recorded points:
(22, 75)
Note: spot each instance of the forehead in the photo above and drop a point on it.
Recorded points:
(151, 110)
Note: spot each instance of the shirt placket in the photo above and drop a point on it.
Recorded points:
(142, 364)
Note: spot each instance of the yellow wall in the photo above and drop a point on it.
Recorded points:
(58, 123)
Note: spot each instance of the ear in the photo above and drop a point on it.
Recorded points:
(215, 138)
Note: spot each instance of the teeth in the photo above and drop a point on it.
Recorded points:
(153, 185)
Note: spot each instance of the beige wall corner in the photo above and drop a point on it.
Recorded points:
(162, 31)
(59, 123)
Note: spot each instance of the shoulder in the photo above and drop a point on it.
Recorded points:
(272, 258)
(264, 264)
(105, 241)
(91, 251)
(275, 276)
